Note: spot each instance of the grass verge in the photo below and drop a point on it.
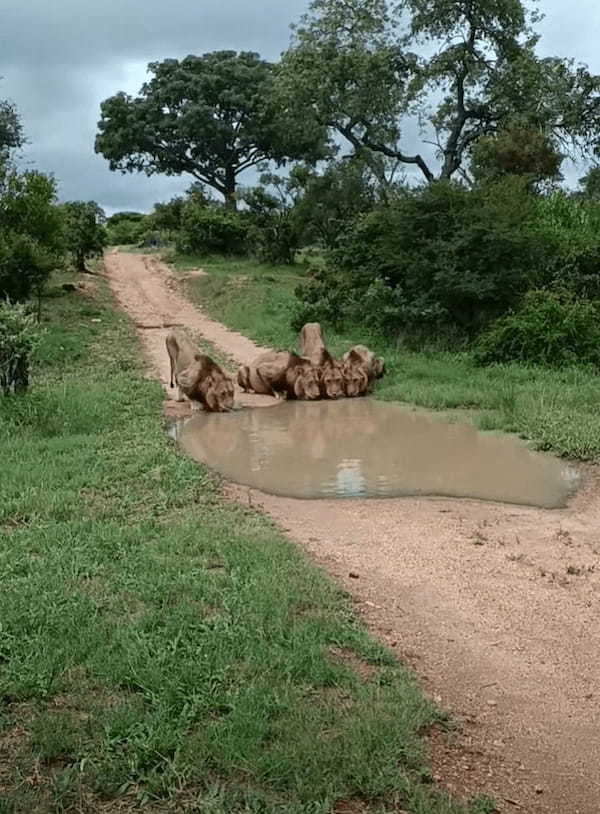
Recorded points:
(160, 646)
(556, 410)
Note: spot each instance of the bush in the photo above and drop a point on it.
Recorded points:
(19, 335)
(570, 228)
(273, 234)
(32, 240)
(333, 200)
(126, 228)
(549, 328)
(442, 259)
(85, 232)
(274, 240)
(211, 230)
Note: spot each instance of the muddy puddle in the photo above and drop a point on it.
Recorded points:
(368, 448)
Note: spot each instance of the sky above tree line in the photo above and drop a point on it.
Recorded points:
(59, 60)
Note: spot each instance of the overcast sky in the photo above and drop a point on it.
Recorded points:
(60, 58)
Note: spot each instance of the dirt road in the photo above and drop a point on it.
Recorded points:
(497, 608)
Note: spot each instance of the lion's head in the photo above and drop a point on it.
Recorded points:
(219, 393)
(306, 385)
(332, 381)
(355, 377)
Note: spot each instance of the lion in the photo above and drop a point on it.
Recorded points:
(313, 347)
(311, 342)
(331, 375)
(243, 378)
(375, 365)
(284, 373)
(355, 373)
(198, 377)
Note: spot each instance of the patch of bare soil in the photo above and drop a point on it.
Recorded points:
(495, 607)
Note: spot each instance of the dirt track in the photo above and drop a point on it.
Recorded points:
(497, 608)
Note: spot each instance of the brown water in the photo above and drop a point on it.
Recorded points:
(367, 448)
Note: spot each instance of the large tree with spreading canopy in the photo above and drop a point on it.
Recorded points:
(210, 116)
(453, 70)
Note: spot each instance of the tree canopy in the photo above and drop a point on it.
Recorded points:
(11, 131)
(210, 116)
(31, 234)
(515, 151)
(459, 69)
(84, 230)
(590, 184)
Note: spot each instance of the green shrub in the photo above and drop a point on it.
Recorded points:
(549, 328)
(126, 228)
(273, 234)
(570, 228)
(273, 241)
(441, 259)
(19, 335)
(331, 201)
(211, 230)
(32, 240)
(85, 232)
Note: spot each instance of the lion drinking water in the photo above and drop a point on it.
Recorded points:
(198, 377)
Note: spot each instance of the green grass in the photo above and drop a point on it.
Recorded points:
(555, 410)
(160, 645)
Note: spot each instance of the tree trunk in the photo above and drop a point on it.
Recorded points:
(230, 185)
(80, 262)
(22, 375)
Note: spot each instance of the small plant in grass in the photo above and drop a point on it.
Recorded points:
(483, 805)
(19, 336)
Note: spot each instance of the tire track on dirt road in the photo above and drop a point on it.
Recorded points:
(497, 608)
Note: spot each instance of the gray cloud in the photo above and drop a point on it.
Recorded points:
(60, 59)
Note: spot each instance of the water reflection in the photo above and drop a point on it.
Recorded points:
(366, 448)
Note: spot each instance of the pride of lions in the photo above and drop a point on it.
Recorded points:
(312, 375)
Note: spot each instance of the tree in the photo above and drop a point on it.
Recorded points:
(274, 235)
(31, 233)
(84, 231)
(590, 184)
(31, 236)
(336, 197)
(11, 130)
(208, 116)
(350, 67)
(125, 228)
